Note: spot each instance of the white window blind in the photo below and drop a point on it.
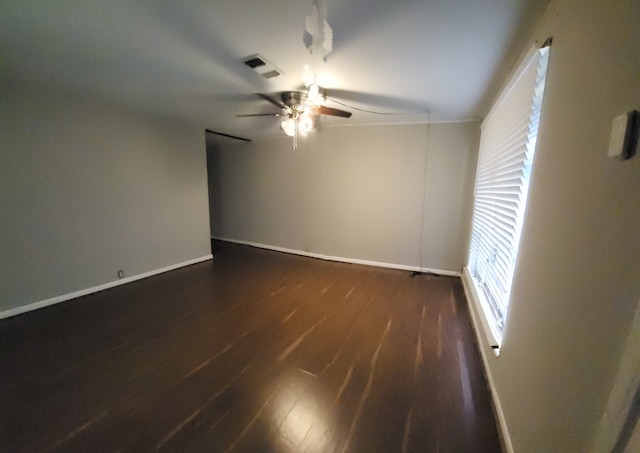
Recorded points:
(507, 144)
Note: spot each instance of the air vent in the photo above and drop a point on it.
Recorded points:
(262, 66)
(255, 63)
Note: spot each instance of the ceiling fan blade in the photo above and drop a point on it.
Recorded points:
(222, 134)
(322, 110)
(260, 114)
(273, 101)
(376, 101)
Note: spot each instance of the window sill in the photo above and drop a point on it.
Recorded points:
(477, 310)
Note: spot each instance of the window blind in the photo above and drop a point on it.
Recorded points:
(507, 145)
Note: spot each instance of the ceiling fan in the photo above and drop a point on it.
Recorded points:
(300, 109)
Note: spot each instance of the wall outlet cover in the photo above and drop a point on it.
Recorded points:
(624, 135)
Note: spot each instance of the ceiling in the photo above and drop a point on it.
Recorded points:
(185, 58)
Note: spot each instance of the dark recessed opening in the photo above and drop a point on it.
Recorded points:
(254, 63)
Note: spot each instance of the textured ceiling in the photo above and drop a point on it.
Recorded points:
(184, 58)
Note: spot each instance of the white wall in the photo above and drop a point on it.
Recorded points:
(351, 192)
(577, 281)
(88, 189)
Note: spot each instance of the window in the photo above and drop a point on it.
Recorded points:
(507, 145)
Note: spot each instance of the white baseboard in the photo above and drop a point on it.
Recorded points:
(83, 292)
(342, 259)
(482, 342)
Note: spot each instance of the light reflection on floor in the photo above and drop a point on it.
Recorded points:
(307, 415)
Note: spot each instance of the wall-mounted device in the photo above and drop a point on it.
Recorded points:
(624, 135)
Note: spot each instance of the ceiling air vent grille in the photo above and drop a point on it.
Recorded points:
(262, 66)
(255, 63)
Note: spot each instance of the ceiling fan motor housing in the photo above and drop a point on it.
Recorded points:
(295, 100)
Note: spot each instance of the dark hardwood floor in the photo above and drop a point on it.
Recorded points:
(257, 351)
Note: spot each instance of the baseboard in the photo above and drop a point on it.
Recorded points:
(482, 341)
(342, 259)
(83, 292)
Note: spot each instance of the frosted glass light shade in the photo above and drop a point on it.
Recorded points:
(305, 124)
(313, 96)
(289, 127)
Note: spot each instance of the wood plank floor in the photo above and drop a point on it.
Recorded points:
(257, 351)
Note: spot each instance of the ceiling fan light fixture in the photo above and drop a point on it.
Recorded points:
(289, 127)
(305, 124)
(314, 98)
